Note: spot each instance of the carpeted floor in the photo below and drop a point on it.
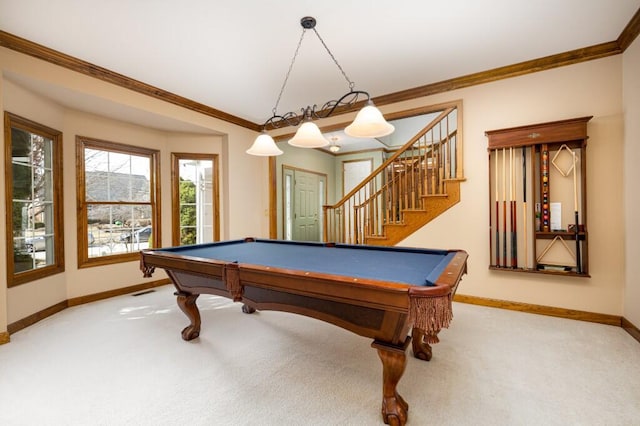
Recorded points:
(122, 362)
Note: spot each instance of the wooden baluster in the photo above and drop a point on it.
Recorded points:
(404, 192)
(344, 217)
(446, 159)
(393, 193)
(353, 221)
(325, 219)
(440, 156)
(361, 217)
(397, 176)
(433, 165)
(387, 197)
(425, 164)
(374, 209)
(414, 177)
(369, 217)
(335, 226)
(378, 206)
(343, 225)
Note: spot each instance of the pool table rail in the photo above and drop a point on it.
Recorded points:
(366, 307)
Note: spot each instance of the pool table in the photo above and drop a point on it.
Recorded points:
(392, 295)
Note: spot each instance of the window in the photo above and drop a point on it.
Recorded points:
(33, 179)
(118, 201)
(194, 198)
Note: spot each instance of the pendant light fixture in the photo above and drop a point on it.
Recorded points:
(369, 122)
(333, 146)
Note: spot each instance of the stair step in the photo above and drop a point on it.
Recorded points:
(413, 219)
(435, 196)
(376, 237)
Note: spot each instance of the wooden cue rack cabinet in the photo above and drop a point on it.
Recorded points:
(538, 198)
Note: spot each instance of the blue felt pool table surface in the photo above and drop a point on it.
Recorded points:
(412, 266)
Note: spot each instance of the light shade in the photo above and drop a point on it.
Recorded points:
(308, 136)
(264, 146)
(369, 123)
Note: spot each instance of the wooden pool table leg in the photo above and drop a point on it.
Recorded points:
(394, 361)
(187, 303)
(421, 349)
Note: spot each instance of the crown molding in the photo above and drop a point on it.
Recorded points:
(515, 70)
(38, 51)
(630, 32)
(628, 35)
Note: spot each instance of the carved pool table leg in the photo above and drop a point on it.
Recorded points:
(421, 349)
(187, 303)
(394, 361)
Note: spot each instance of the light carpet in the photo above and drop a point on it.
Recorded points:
(122, 362)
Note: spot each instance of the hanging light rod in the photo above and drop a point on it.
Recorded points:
(369, 122)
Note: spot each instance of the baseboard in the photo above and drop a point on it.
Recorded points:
(38, 316)
(117, 292)
(541, 310)
(473, 300)
(631, 329)
(47, 312)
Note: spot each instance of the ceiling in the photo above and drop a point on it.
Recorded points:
(234, 55)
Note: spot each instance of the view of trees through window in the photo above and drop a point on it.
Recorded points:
(34, 199)
(32, 203)
(187, 212)
(195, 215)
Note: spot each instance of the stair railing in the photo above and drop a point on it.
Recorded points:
(417, 170)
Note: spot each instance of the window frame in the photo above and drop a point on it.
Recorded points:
(175, 193)
(84, 142)
(15, 121)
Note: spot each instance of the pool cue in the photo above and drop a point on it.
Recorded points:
(504, 208)
(497, 214)
(524, 204)
(544, 170)
(575, 209)
(512, 197)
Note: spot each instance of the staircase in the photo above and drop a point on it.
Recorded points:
(420, 181)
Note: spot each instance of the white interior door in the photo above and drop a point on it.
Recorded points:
(306, 210)
(304, 196)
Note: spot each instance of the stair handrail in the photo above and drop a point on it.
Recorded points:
(390, 160)
(344, 224)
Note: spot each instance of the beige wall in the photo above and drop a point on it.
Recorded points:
(593, 88)
(631, 108)
(239, 201)
(588, 89)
